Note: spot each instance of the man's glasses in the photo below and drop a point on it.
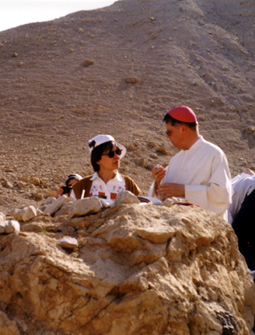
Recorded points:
(168, 132)
(110, 154)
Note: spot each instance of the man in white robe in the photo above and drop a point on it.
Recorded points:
(199, 172)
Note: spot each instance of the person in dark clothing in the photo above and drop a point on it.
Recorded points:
(244, 227)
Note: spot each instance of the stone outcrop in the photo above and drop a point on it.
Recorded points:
(138, 270)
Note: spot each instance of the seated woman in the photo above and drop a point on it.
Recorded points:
(106, 182)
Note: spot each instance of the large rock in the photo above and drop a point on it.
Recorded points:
(126, 197)
(54, 206)
(85, 206)
(65, 207)
(24, 214)
(139, 270)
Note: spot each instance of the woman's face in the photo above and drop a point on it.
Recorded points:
(107, 163)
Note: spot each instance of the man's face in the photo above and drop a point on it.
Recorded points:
(175, 135)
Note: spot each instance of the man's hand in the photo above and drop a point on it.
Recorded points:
(158, 173)
(171, 190)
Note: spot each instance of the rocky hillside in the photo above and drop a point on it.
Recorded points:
(118, 70)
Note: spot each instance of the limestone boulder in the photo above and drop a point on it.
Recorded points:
(126, 197)
(24, 214)
(64, 210)
(85, 206)
(55, 205)
(9, 226)
(138, 270)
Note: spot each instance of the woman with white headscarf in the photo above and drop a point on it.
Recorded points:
(106, 182)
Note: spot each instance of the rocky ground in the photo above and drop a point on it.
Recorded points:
(118, 70)
(132, 269)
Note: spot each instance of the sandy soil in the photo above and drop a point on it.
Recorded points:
(118, 70)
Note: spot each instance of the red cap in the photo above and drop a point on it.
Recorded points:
(183, 114)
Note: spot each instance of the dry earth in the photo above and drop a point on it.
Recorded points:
(118, 70)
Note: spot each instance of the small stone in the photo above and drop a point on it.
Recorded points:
(14, 54)
(131, 147)
(162, 150)
(87, 63)
(250, 130)
(131, 80)
(37, 195)
(8, 184)
(169, 202)
(21, 184)
(68, 242)
(142, 162)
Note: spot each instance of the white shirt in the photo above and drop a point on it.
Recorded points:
(204, 171)
(243, 184)
(107, 190)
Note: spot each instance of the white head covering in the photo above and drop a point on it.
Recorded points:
(75, 176)
(100, 139)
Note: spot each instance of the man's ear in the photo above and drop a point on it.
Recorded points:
(184, 128)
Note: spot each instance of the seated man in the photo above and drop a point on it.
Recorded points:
(242, 215)
(199, 172)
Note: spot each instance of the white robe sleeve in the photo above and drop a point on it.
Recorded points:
(216, 195)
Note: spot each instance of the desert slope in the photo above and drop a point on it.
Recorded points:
(199, 53)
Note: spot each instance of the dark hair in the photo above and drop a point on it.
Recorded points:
(70, 177)
(174, 122)
(96, 154)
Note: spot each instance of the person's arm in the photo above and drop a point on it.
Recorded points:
(72, 194)
(250, 172)
(216, 195)
(131, 185)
